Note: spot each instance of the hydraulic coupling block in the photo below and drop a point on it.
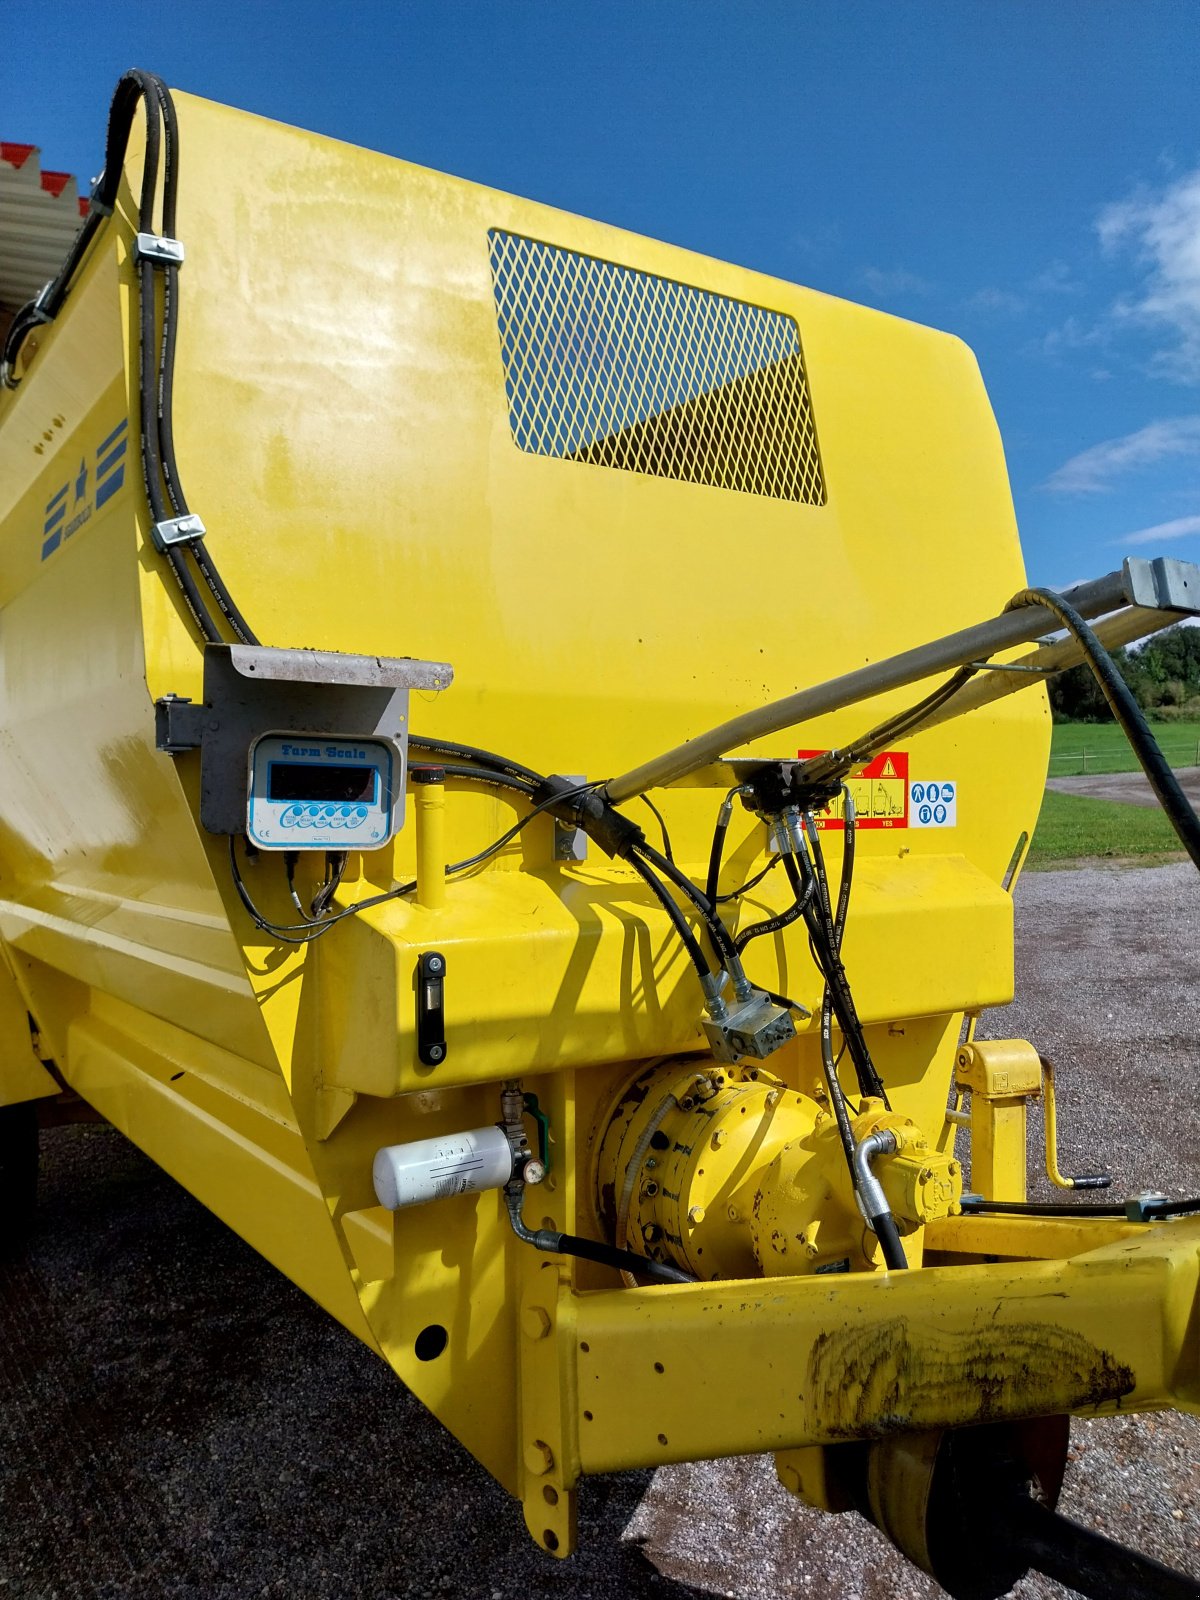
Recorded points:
(753, 1026)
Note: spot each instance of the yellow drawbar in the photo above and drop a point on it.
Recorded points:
(367, 536)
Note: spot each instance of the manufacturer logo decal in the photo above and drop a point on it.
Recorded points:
(105, 470)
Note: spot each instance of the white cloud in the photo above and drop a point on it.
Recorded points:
(1179, 528)
(1003, 301)
(1092, 471)
(1163, 228)
(896, 280)
(1055, 278)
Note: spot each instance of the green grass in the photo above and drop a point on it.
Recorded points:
(1073, 826)
(1107, 750)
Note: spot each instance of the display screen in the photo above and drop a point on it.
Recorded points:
(298, 780)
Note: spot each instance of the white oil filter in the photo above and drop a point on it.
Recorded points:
(433, 1169)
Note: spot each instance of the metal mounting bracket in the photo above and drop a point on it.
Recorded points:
(250, 690)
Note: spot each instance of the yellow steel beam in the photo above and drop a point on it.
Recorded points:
(729, 1368)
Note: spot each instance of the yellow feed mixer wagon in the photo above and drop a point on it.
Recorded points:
(517, 742)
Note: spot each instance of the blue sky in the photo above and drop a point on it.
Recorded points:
(1025, 173)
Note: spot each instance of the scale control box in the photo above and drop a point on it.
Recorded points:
(319, 792)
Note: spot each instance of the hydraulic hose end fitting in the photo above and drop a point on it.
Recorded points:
(870, 1190)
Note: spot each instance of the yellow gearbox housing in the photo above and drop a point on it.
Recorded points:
(730, 1173)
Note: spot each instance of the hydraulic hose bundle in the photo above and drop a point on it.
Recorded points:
(175, 528)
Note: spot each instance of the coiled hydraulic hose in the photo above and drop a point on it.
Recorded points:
(1128, 713)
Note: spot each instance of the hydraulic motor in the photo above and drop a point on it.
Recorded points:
(730, 1173)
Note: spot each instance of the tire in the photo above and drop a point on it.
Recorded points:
(18, 1172)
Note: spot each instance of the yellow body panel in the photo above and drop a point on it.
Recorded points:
(343, 429)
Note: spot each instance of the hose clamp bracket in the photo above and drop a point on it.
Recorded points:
(177, 530)
(158, 250)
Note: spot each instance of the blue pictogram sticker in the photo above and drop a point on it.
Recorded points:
(934, 805)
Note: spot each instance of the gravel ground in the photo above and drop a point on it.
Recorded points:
(1132, 788)
(180, 1423)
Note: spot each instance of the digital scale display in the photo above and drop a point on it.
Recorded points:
(312, 792)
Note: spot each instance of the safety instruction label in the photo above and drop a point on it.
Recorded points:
(879, 792)
(933, 805)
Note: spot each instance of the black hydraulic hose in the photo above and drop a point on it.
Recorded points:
(131, 88)
(717, 851)
(152, 461)
(781, 920)
(888, 1235)
(869, 1081)
(496, 780)
(1085, 1561)
(166, 374)
(837, 1095)
(836, 764)
(719, 934)
(849, 838)
(159, 465)
(834, 973)
(1128, 713)
(608, 1255)
(1151, 1209)
(470, 752)
(690, 943)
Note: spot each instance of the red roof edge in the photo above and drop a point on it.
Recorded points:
(55, 182)
(16, 154)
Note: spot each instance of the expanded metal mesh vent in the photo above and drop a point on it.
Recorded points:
(622, 369)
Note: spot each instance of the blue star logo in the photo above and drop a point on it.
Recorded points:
(81, 482)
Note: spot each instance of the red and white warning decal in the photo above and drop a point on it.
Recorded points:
(879, 792)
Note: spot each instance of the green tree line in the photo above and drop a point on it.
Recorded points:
(1164, 674)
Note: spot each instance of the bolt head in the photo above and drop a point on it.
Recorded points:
(734, 1214)
(718, 1139)
(535, 1322)
(535, 1170)
(696, 1215)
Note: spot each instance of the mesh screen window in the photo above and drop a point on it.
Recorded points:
(622, 369)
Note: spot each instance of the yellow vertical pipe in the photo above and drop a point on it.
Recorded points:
(429, 793)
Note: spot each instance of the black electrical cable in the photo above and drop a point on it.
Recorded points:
(751, 883)
(781, 920)
(522, 822)
(335, 869)
(285, 931)
(1128, 713)
(662, 823)
(690, 943)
